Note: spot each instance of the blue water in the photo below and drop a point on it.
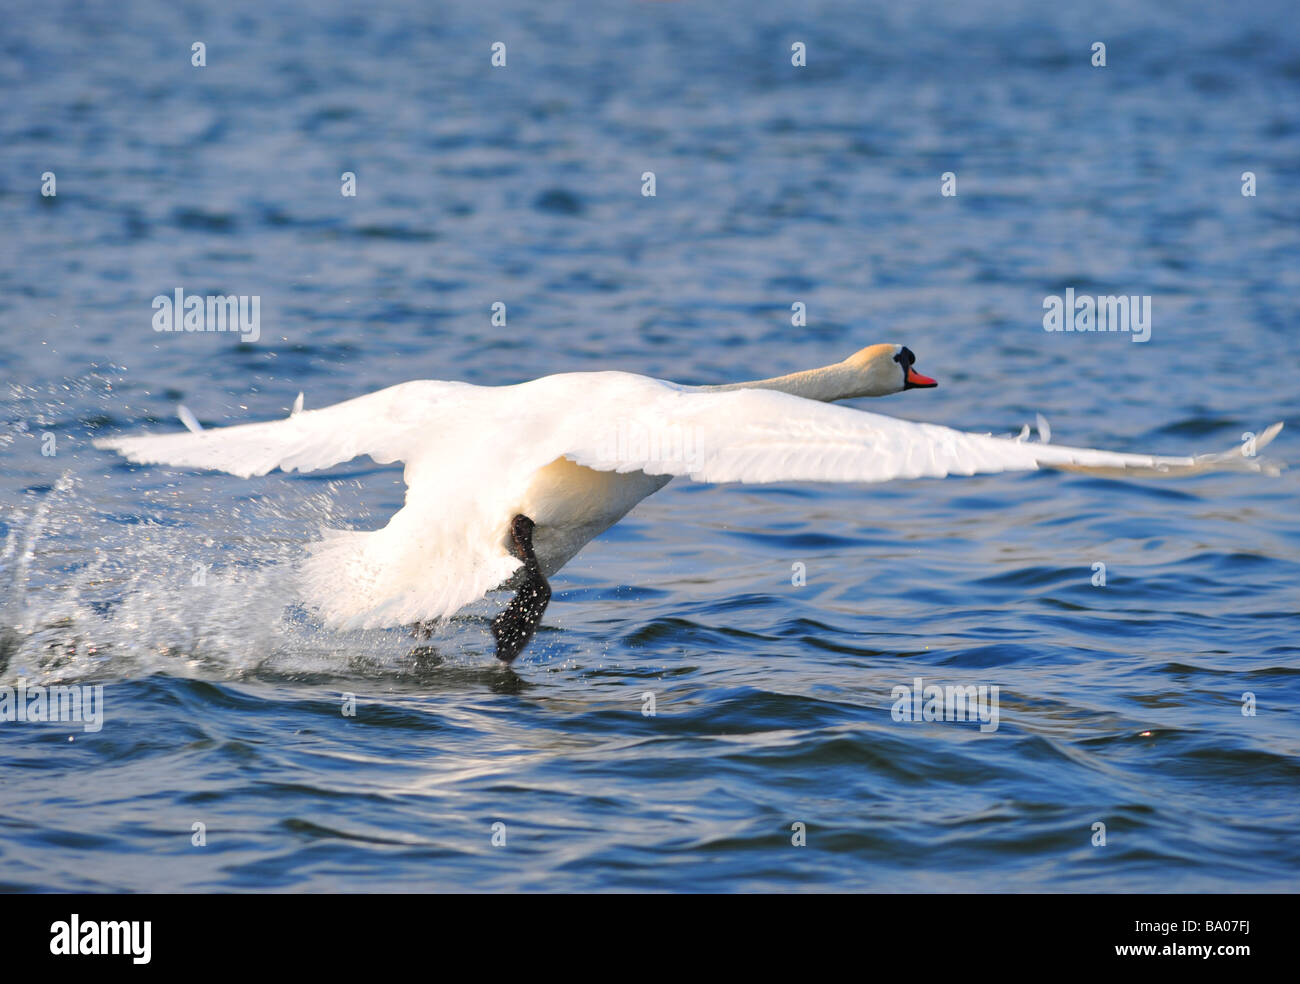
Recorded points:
(1120, 704)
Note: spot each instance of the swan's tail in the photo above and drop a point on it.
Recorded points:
(399, 575)
(339, 578)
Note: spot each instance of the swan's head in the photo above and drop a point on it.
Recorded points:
(879, 370)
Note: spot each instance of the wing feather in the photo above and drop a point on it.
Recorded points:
(386, 425)
(768, 436)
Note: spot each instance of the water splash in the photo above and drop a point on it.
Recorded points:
(195, 591)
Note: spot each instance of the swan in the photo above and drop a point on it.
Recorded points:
(505, 484)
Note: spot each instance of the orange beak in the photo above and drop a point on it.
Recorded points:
(916, 381)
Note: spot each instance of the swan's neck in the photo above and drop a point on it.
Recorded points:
(830, 383)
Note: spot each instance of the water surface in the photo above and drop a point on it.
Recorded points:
(1119, 704)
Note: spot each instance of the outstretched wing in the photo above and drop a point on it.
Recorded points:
(441, 551)
(767, 436)
(388, 425)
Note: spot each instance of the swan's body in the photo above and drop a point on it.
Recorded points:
(575, 452)
(579, 504)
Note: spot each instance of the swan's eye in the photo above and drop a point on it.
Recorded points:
(905, 358)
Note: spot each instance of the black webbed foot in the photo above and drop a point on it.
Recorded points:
(513, 629)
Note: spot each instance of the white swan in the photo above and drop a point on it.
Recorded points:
(506, 483)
